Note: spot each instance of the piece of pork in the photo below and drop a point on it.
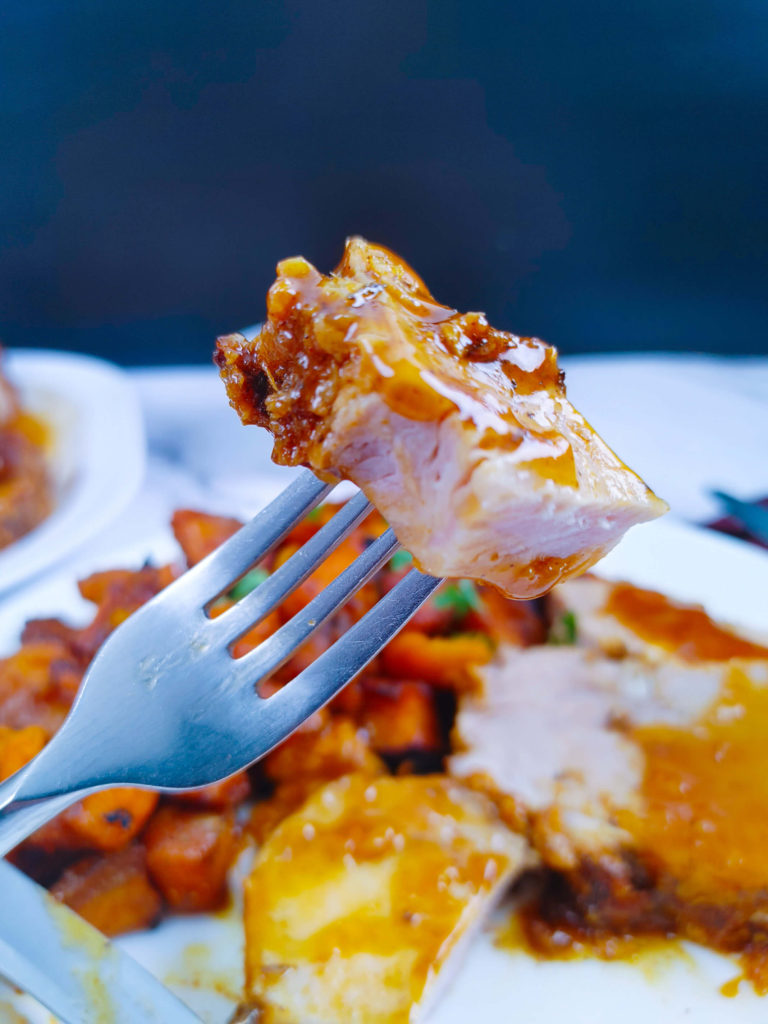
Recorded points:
(547, 731)
(460, 434)
(359, 903)
(619, 619)
(639, 778)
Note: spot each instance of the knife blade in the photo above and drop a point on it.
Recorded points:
(53, 954)
(752, 515)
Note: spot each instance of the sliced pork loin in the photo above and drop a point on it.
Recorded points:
(620, 619)
(635, 762)
(546, 734)
(460, 434)
(360, 902)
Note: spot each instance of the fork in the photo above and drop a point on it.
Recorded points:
(164, 705)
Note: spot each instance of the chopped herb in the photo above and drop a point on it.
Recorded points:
(461, 598)
(315, 514)
(249, 582)
(565, 630)
(400, 560)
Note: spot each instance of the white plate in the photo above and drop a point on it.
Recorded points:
(493, 986)
(97, 457)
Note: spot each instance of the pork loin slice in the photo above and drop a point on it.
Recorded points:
(460, 434)
(359, 901)
(620, 619)
(547, 731)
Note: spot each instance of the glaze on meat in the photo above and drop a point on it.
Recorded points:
(460, 434)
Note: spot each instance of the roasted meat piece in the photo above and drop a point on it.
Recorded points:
(359, 902)
(635, 760)
(460, 434)
(620, 619)
(547, 728)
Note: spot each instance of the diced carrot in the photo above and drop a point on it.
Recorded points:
(18, 746)
(109, 820)
(199, 533)
(440, 660)
(189, 854)
(112, 892)
(400, 716)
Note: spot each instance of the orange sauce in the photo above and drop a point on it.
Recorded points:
(701, 830)
(374, 324)
(371, 875)
(524, 932)
(687, 631)
(705, 796)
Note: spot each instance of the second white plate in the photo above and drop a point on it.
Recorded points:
(97, 458)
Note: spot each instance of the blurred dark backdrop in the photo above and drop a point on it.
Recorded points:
(592, 172)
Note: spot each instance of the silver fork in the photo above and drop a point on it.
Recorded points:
(165, 705)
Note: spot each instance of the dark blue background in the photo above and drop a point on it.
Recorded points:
(593, 172)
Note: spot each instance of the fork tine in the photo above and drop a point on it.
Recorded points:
(278, 648)
(285, 710)
(260, 602)
(219, 570)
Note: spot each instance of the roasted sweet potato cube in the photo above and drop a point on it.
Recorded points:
(27, 694)
(188, 856)
(334, 747)
(267, 814)
(257, 635)
(334, 564)
(199, 533)
(28, 669)
(109, 821)
(131, 584)
(400, 717)
(218, 795)
(112, 892)
(17, 746)
(441, 660)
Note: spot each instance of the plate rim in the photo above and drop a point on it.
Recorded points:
(110, 456)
